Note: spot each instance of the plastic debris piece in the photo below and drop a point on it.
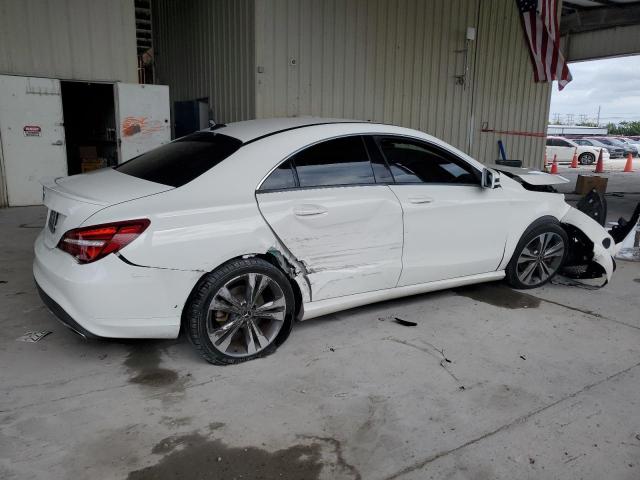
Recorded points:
(33, 337)
(406, 323)
(629, 249)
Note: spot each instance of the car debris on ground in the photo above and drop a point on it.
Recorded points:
(32, 337)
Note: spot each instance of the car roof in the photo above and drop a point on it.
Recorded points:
(560, 138)
(252, 130)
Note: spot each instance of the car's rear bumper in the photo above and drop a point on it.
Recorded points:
(63, 316)
(111, 298)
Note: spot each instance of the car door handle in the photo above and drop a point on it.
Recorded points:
(420, 200)
(58, 143)
(308, 210)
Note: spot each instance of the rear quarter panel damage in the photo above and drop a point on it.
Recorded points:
(197, 238)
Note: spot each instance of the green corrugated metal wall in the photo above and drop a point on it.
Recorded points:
(392, 61)
(206, 48)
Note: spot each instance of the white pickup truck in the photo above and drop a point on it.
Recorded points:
(563, 149)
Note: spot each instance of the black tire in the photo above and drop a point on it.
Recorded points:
(515, 271)
(197, 317)
(587, 159)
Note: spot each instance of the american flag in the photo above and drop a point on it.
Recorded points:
(540, 23)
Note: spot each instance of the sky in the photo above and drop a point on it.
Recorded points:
(613, 84)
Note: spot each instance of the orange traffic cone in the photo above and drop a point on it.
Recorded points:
(629, 165)
(600, 164)
(554, 165)
(574, 160)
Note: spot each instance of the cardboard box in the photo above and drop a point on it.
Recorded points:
(586, 183)
(88, 152)
(89, 165)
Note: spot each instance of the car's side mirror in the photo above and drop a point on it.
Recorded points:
(490, 179)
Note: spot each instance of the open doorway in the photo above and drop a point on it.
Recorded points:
(89, 125)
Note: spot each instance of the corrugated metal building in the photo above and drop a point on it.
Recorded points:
(407, 62)
(206, 48)
(69, 90)
(75, 39)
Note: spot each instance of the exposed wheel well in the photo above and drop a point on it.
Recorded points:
(580, 246)
(294, 285)
(531, 226)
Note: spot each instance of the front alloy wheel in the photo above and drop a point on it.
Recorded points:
(241, 311)
(540, 259)
(538, 256)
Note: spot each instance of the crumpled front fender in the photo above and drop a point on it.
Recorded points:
(602, 255)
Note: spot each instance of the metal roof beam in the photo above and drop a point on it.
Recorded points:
(600, 18)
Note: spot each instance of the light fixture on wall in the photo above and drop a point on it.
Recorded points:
(470, 37)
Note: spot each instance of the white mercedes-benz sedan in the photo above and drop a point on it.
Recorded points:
(236, 232)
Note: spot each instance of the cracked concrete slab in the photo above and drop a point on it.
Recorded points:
(542, 384)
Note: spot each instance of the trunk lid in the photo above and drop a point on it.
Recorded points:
(72, 200)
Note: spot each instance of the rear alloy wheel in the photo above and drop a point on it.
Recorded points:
(587, 159)
(240, 312)
(538, 256)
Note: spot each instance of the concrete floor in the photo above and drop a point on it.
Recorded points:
(491, 383)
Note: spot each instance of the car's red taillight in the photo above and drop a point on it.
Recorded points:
(88, 244)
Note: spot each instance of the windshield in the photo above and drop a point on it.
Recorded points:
(183, 160)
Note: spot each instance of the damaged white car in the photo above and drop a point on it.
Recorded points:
(236, 232)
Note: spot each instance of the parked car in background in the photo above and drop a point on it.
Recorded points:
(634, 145)
(236, 232)
(609, 142)
(563, 149)
(634, 141)
(628, 148)
(612, 150)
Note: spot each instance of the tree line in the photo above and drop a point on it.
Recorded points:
(624, 128)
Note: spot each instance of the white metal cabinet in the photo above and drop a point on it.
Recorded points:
(143, 115)
(32, 136)
(450, 230)
(349, 238)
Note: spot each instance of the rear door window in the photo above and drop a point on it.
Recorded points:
(282, 177)
(340, 161)
(183, 160)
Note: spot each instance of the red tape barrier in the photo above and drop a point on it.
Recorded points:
(515, 132)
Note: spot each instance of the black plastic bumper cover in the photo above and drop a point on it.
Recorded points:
(63, 316)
